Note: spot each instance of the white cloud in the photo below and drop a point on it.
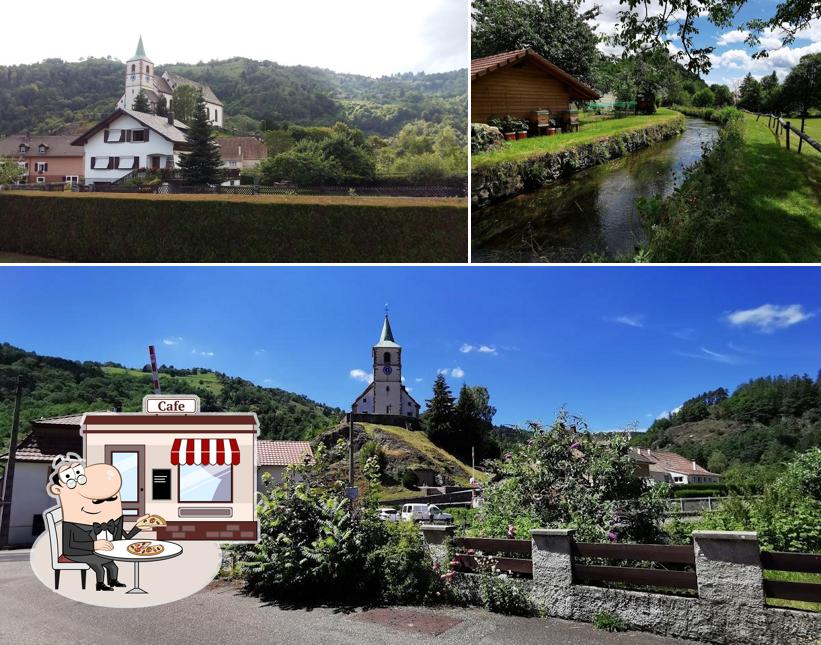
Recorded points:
(768, 318)
(201, 353)
(668, 413)
(361, 375)
(715, 357)
(729, 37)
(418, 380)
(259, 352)
(173, 340)
(466, 349)
(630, 320)
(457, 372)
(482, 349)
(443, 370)
(268, 380)
(487, 349)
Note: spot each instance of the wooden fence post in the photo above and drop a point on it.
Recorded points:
(801, 138)
(787, 130)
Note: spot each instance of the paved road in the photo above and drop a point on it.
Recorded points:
(221, 614)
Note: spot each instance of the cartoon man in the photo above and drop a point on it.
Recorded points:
(89, 497)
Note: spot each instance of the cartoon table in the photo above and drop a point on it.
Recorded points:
(120, 552)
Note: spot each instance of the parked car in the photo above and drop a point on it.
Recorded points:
(425, 513)
(389, 514)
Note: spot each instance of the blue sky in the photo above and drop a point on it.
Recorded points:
(732, 59)
(616, 345)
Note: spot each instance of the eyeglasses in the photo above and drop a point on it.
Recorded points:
(72, 483)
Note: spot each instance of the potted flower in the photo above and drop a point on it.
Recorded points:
(552, 129)
(522, 128)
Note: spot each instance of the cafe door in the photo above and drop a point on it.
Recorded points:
(130, 461)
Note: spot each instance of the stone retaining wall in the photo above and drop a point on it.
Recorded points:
(509, 178)
(729, 609)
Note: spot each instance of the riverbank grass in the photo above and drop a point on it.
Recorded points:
(778, 200)
(588, 133)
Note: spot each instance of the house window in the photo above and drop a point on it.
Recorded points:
(232, 164)
(114, 136)
(42, 149)
(139, 135)
(41, 180)
(202, 484)
(216, 114)
(102, 163)
(127, 163)
(23, 149)
(41, 166)
(148, 69)
(71, 178)
(133, 68)
(387, 357)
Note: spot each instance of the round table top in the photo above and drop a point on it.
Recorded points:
(120, 551)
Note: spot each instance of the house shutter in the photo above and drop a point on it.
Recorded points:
(105, 136)
(146, 134)
(93, 159)
(113, 162)
(136, 162)
(128, 135)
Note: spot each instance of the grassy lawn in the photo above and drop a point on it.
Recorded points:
(588, 132)
(207, 381)
(779, 201)
(794, 577)
(812, 127)
(259, 199)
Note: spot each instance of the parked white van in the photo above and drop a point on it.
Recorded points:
(425, 513)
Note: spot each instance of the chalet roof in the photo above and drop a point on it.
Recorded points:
(386, 337)
(282, 453)
(239, 148)
(174, 133)
(45, 445)
(665, 461)
(207, 93)
(577, 90)
(58, 146)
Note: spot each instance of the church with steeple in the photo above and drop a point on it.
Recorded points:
(141, 76)
(386, 395)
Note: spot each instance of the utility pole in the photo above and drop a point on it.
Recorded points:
(350, 450)
(8, 478)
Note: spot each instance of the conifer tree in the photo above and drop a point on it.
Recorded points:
(439, 416)
(141, 103)
(161, 109)
(203, 163)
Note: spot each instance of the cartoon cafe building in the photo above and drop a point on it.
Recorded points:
(196, 470)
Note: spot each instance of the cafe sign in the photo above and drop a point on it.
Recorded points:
(171, 404)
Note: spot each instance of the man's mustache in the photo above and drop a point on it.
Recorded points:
(100, 501)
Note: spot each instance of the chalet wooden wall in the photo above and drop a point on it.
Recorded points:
(517, 90)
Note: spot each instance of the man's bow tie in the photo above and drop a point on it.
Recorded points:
(109, 526)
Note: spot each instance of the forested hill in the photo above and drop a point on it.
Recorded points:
(56, 386)
(765, 421)
(55, 96)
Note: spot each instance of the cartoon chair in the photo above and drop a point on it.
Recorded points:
(59, 562)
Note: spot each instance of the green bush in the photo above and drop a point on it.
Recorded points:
(373, 449)
(91, 228)
(502, 596)
(409, 479)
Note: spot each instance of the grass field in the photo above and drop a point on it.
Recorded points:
(307, 200)
(207, 381)
(779, 200)
(588, 133)
(812, 127)
(794, 577)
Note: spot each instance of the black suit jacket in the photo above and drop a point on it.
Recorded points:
(78, 539)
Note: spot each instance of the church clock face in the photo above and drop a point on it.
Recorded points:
(387, 369)
(133, 77)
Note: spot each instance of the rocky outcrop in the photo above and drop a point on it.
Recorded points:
(505, 179)
(484, 137)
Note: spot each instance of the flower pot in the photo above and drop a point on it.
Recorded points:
(551, 132)
(510, 136)
(521, 135)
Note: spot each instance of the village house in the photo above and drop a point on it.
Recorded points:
(45, 159)
(672, 468)
(127, 141)
(238, 154)
(55, 436)
(524, 85)
(140, 76)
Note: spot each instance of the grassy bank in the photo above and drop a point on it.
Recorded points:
(749, 200)
(83, 227)
(588, 133)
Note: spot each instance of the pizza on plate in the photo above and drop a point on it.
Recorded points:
(145, 548)
(150, 522)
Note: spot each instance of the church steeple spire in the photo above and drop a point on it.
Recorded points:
(140, 49)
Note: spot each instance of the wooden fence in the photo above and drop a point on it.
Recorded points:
(480, 554)
(778, 125)
(796, 562)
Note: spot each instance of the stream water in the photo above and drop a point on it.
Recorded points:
(591, 213)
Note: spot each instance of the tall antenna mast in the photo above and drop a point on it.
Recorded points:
(155, 377)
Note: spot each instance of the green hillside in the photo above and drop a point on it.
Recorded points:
(403, 451)
(54, 95)
(56, 386)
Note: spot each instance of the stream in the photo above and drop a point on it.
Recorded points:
(592, 213)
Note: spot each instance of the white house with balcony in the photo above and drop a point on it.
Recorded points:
(126, 141)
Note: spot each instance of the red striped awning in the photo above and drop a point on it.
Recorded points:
(205, 452)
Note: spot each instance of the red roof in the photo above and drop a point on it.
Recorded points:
(672, 461)
(482, 66)
(45, 445)
(282, 453)
(242, 148)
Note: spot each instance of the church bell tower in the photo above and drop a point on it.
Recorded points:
(139, 75)
(387, 373)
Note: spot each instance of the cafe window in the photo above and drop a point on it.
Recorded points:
(205, 483)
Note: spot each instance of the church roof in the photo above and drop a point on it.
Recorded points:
(140, 53)
(386, 338)
(207, 93)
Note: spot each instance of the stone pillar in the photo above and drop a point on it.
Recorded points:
(553, 570)
(728, 566)
(437, 537)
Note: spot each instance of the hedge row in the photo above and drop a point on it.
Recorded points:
(97, 228)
